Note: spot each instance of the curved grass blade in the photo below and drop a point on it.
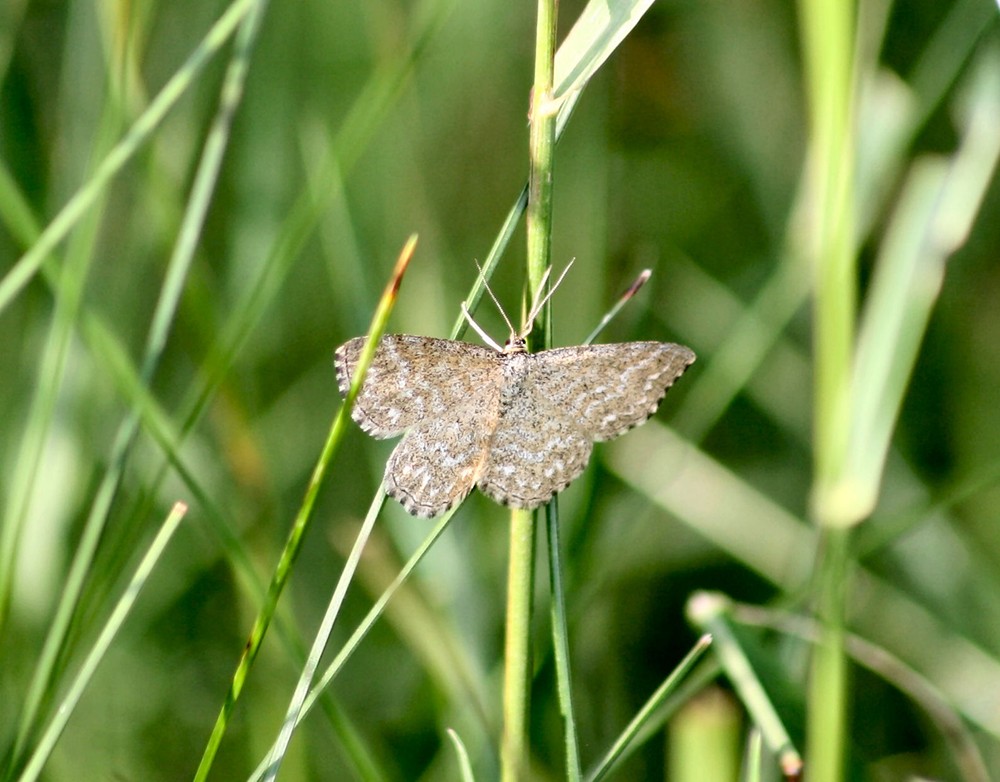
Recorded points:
(118, 616)
(939, 707)
(598, 31)
(363, 628)
(464, 766)
(939, 202)
(627, 740)
(296, 534)
(709, 612)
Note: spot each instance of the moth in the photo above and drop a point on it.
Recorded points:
(521, 426)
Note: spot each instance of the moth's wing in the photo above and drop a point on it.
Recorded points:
(567, 399)
(608, 389)
(536, 450)
(439, 460)
(413, 379)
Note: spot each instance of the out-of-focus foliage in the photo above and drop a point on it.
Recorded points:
(363, 123)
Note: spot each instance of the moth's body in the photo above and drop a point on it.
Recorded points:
(518, 425)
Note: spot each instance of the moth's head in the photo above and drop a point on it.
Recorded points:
(515, 344)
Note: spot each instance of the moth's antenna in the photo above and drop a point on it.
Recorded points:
(475, 326)
(527, 322)
(537, 307)
(497, 303)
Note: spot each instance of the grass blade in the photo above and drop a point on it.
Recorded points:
(938, 204)
(560, 644)
(352, 643)
(118, 616)
(464, 766)
(628, 736)
(296, 534)
(709, 612)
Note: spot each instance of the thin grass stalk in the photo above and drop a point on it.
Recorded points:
(300, 525)
(560, 629)
(753, 759)
(826, 728)
(366, 624)
(492, 259)
(560, 644)
(515, 748)
(828, 36)
(514, 752)
(294, 711)
(633, 735)
(711, 613)
(939, 707)
(598, 31)
(48, 740)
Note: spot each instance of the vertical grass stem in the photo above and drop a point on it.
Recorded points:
(514, 755)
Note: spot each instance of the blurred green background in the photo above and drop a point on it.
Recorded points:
(363, 123)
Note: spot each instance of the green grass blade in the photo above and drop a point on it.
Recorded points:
(294, 712)
(492, 259)
(370, 109)
(939, 708)
(947, 53)
(935, 212)
(753, 765)
(18, 217)
(115, 362)
(54, 730)
(464, 766)
(624, 299)
(300, 525)
(749, 516)
(68, 294)
(598, 31)
(352, 643)
(163, 316)
(709, 612)
(749, 342)
(560, 644)
(627, 740)
(68, 289)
